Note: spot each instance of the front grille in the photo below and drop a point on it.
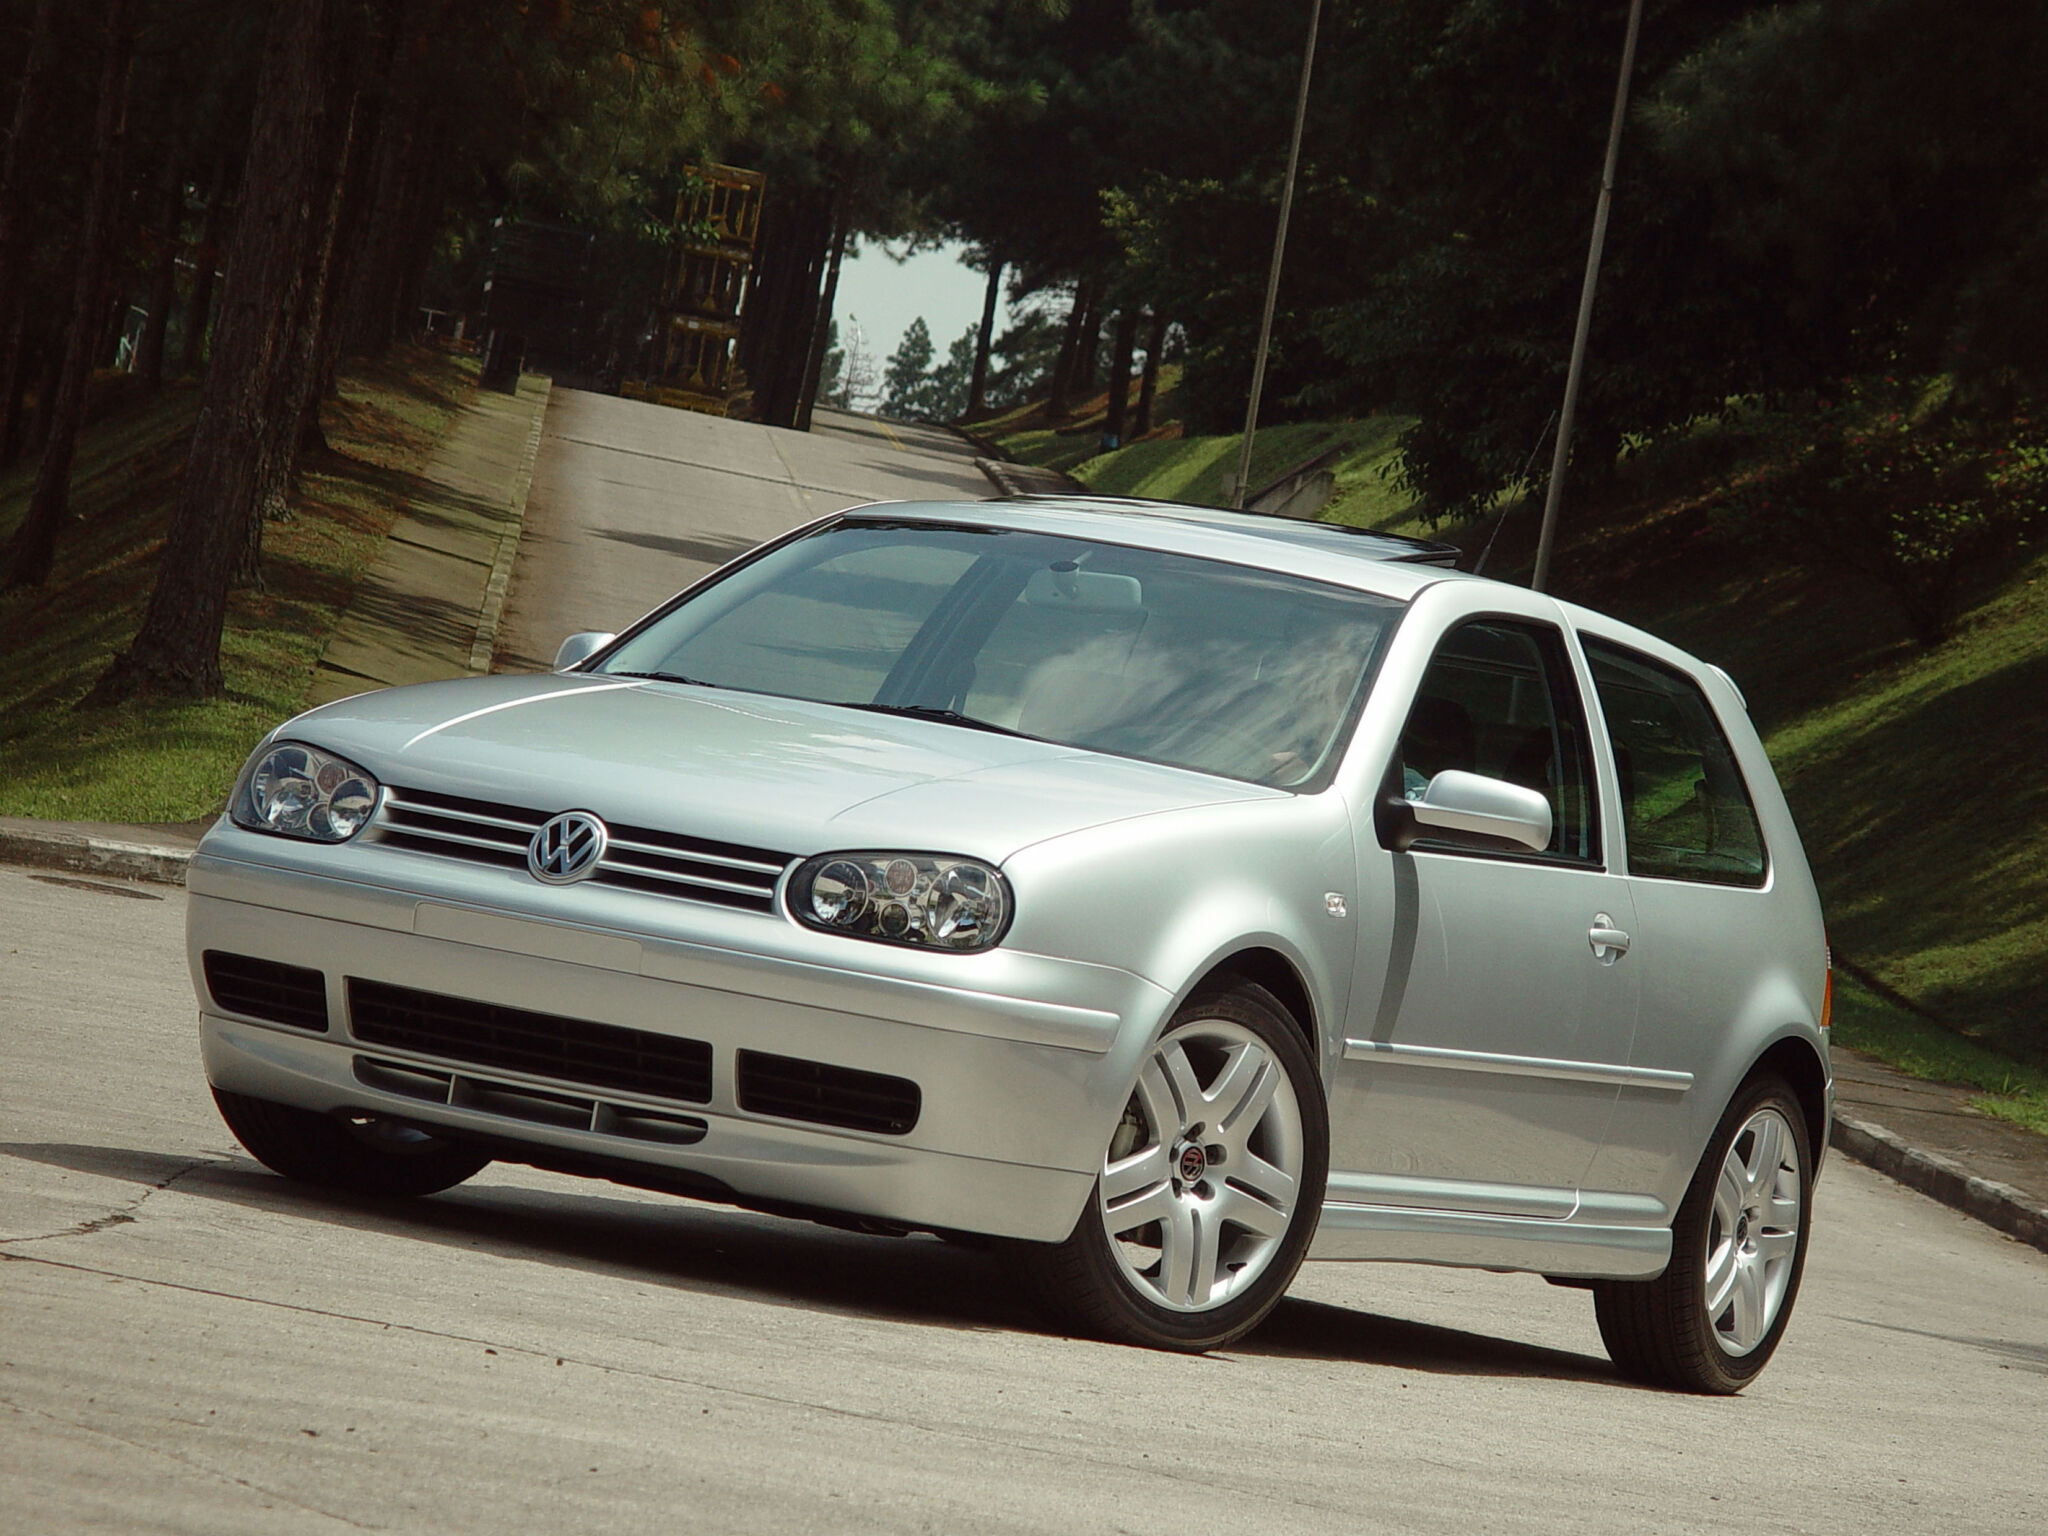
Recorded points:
(792, 1089)
(266, 989)
(636, 858)
(514, 1039)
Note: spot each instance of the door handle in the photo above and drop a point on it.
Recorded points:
(1609, 942)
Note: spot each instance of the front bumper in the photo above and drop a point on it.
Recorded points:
(1019, 1092)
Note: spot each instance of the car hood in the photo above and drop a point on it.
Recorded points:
(781, 774)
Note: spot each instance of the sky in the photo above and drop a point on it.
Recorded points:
(886, 295)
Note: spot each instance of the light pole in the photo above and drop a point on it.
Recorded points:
(1554, 496)
(1251, 410)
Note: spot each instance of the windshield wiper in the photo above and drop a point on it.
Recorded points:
(944, 716)
(667, 677)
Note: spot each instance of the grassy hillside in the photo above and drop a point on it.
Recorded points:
(170, 761)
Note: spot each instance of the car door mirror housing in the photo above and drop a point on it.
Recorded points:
(580, 647)
(1471, 810)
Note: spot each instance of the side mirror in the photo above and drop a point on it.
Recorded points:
(1471, 809)
(580, 647)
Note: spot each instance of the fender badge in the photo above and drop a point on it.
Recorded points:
(1334, 903)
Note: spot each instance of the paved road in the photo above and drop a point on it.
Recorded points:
(189, 1344)
(631, 502)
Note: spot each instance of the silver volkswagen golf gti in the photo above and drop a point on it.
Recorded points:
(1167, 894)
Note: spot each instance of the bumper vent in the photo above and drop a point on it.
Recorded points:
(265, 989)
(792, 1089)
(512, 1039)
(636, 858)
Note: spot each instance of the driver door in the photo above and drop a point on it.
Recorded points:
(1481, 1072)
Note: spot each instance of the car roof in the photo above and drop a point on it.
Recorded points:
(1387, 563)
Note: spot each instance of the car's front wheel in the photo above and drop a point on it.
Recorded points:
(1713, 1318)
(366, 1156)
(1209, 1189)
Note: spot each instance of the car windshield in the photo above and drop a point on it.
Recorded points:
(1223, 668)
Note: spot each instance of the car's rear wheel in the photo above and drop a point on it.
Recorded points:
(365, 1155)
(1711, 1321)
(1209, 1189)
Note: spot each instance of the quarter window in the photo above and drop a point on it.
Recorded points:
(1499, 699)
(1684, 805)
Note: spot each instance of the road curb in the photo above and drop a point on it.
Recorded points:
(83, 854)
(1995, 1204)
(484, 648)
(1028, 479)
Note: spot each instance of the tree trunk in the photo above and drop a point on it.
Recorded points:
(350, 236)
(299, 376)
(35, 543)
(14, 364)
(239, 436)
(790, 290)
(1070, 345)
(1148, 385)
(46, 389)
(369, 316)
(163, 277)
(822, 327)
(206, 258)
(1120, 351)
(984, 340)
(28, 109)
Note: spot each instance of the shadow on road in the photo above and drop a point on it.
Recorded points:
(1315, 1330)
(719, 1250)
(713, 551)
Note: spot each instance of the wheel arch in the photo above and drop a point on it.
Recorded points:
(1269, 968)
(1795, 1059)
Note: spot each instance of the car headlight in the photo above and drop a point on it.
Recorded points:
(299, 791)
(925, 900)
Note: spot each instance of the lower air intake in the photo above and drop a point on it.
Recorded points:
(459, 1029)
(267, 989)
(792, 1089)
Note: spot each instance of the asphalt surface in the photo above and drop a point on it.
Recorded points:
(631, 502)
(190, 1344)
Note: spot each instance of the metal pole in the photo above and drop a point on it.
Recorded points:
(1251, 410)
(1554, 497)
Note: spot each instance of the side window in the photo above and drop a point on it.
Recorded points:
(1499, 699)
(1683, 802)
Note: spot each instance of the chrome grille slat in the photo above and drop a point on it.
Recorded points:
(621, 844)
(656, 872)
(464, 839)
(469, 818)
(659, 863)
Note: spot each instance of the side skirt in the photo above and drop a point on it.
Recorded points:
(1474, 1240)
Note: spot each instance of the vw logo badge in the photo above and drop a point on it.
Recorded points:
(566, 849)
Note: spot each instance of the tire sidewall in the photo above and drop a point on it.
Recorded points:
(1695, 1225)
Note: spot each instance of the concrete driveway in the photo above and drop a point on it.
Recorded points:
(631, 502)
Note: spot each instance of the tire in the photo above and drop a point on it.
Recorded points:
(1200, 1215)
(370, 1156)
(1713, 1319)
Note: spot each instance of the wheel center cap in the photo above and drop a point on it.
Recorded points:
(1193, 1164)
(1742, 1230)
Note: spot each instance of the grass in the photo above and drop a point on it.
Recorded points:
(169, 762)
(2009, 1090)
(1167, 465)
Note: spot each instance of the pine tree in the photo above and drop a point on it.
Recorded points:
(904, 374)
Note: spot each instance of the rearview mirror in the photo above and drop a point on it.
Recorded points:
(1470, 809)
(580, 647)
